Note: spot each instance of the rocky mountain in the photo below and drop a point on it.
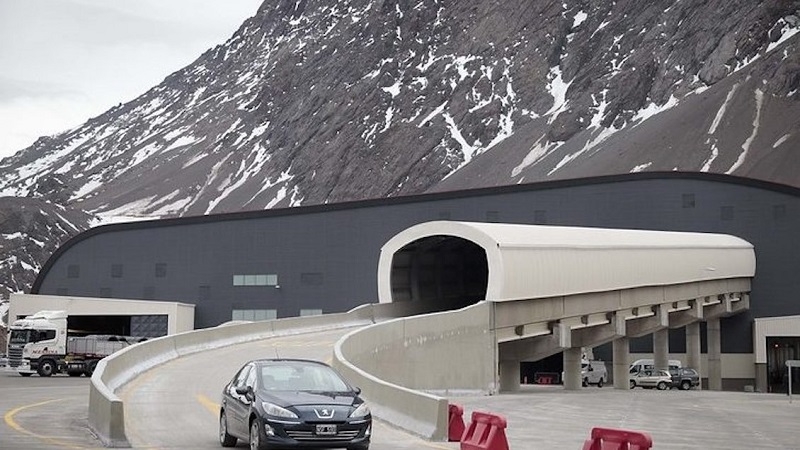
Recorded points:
(315, 102)
(31, 230)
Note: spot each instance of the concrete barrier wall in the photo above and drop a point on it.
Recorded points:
(106, 410)
(395, 361)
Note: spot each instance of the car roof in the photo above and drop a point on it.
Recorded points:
(270, 361)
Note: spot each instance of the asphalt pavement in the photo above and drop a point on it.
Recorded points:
(51, 413)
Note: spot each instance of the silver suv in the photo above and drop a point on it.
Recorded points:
(651, 378)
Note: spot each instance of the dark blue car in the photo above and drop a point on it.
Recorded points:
(293, 403)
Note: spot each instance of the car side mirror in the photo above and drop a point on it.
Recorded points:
(247, 391)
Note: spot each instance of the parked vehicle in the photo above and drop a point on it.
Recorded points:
(42, 343)
(289, 403)
(648, 364)
(654, 378)
(684, 378)
(594, 372)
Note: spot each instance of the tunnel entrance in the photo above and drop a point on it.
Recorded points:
(445, 271)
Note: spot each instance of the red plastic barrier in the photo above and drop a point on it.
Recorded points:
(456, 423)
(615, 439)
(485, 432)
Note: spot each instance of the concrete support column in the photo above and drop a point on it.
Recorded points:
(509, 376)
(661, 349)
(572, 369)
(714, 355)
(621, 363)
(693, 346)
(762, 384)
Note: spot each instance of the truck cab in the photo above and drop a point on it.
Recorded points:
(37, 343)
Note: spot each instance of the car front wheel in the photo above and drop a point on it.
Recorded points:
(257, 436)
(661, 385)
(225, 439)
(46, 368)
(686, 385)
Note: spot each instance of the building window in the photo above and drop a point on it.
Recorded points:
(311, 279)
(254, 314)
(116, 271)
(73, 271)
(255, 280)
(688, 200)
(726, 213)
(161, 270)
(540, 217)
(310, 312)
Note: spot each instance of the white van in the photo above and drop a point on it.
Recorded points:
(648, 364)
(594, 372)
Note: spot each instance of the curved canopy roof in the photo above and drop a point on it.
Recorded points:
(535, 261)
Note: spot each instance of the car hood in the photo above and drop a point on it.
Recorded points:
(300, 398)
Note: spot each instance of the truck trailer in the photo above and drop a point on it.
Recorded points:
(42, 343)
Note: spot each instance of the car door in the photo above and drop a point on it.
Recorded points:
(237, 405)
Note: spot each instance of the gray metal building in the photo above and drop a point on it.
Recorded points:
(306, 260)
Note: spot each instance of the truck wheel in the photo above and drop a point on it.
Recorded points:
(600, 383)
(90, 366)
(633, 384)
(46, 368)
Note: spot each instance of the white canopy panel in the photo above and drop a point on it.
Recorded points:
(536, 261)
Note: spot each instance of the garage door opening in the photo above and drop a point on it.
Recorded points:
(447, 271)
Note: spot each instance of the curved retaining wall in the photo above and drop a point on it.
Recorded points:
(106, 410)
(395, 362)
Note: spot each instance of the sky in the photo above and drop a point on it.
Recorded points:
(65, 61)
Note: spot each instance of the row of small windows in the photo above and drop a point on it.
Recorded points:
(267, 314)
(256, 280)
(74, 270)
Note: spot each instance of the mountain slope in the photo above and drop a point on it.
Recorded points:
(312, 103)
(30, 231)
(315, 102)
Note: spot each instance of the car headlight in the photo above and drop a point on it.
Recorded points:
(361, 411)
(275, 410)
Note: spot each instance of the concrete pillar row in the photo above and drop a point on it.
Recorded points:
(621, 362)
(693, 346)
(572, 369)
(714, 355)
(509, 376)
(661, 349)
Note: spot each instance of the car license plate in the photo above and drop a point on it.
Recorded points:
(326, 430)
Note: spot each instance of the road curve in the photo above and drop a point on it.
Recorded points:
(175, 405)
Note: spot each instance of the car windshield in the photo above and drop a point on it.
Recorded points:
(300, 376)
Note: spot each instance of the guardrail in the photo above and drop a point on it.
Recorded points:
(106, 410)
(397, 361)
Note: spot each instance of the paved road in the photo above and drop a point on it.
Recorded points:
(44, 413)
(174, 406)
(549, 417)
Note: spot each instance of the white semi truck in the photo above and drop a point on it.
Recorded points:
(41, 343)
